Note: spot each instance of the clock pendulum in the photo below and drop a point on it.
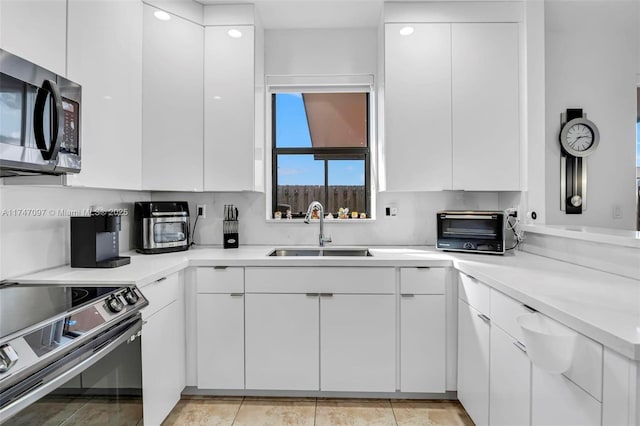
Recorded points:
(579, 138)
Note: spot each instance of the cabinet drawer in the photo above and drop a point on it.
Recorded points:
(422, 280)
(474, 293)
(220, 280)
(298, 280)
(558, 401)
(161, 293)
(504, 311)
(586, 367)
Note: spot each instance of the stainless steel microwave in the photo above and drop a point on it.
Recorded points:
(471, 231)
(39, 119)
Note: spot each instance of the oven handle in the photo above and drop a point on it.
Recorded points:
(44, 388)
(466, 216)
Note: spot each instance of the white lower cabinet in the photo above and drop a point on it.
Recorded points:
(422, 343)
(329, 329)
(220, 328)
(498, 385)
(357, 342)
(163, 348)
(282, 341)
(509, 381)
(220, 348)
(163, 363)
(556, 400)
(473, 362)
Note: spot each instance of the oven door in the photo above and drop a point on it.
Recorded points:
(485, 226)
(471, 232)
(96, 384)
(165, 232)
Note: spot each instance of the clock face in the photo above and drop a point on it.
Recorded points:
(580, 137)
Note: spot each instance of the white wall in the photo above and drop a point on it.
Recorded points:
(591, 63)
(320, 51)
(32, 243)
(415, 224)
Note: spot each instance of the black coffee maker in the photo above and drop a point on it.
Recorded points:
(95, 242)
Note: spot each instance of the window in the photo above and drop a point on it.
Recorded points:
(321, 152)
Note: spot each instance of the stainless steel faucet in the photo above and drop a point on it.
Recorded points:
(315, 205)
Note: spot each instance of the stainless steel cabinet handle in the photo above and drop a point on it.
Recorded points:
(520, 346)
(484, 318)
(236, 294)
(407, 295)
(326, 294)
(313, 294)
(529, 308)
(423, 267)
(220, 267)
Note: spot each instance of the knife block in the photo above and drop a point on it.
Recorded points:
(230, 233)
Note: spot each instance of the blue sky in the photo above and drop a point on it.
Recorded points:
(292, 130)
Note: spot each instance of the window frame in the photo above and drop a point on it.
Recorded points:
(326, 83)
(365, 152)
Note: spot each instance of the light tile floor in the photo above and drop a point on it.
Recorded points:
(249, 411)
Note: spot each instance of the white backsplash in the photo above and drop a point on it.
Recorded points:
(610, 258)
(414, 225)
(31, 243)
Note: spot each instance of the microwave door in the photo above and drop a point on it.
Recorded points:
(18, 146)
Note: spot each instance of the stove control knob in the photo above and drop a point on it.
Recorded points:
(114, 304)
(8, 357)
(468, 245)
(130, 296)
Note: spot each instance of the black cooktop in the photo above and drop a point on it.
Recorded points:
(24, 305)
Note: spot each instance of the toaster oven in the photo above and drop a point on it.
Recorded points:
(471, 231)
(161, 226)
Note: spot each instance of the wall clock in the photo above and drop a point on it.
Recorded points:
(579, 138)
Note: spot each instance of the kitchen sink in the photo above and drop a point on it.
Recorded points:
(321, 252)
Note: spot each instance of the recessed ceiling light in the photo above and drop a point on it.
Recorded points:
(233, 33)
(405, 31)
(162, 15)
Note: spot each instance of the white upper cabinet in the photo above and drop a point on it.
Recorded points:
(36, 31)
(486, 107)
(105, 57)
(418, 107)
(452, 107)
(229, 107)
(172, 113)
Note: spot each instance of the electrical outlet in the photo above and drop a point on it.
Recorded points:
(202, 210)
(391, 211)
(616, 211)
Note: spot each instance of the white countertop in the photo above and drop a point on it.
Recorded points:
(619, 237)
(602, 306)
